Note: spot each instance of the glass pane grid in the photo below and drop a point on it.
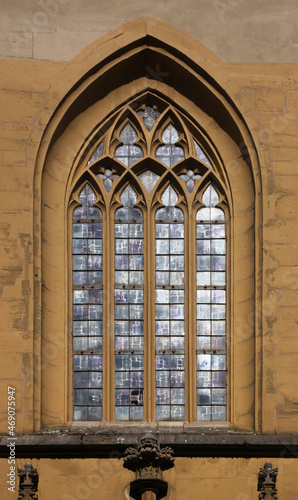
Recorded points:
(87, 308)
(129, 312)
(169, 312)
(211, 312)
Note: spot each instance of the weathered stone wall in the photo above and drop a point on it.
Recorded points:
(235, 30)
(269, 105)
(267, 98)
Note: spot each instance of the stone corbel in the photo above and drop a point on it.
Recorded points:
(267, 482)
(28, 483)
(148, 461)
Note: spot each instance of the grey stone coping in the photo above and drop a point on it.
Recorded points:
(110, 441)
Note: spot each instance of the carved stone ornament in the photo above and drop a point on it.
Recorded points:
(148, 461)
(267, 482)
(28, 483)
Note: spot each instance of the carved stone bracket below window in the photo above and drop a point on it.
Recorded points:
(28, 483)
(267, 482)
(148, 461)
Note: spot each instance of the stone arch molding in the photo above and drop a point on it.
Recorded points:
(143, 56)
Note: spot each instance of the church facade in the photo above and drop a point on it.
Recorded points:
(149, 270)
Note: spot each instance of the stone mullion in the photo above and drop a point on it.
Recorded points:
(191, 354)
(149, 281)
(108, 314)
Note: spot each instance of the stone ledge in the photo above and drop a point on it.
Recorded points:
(108, 445)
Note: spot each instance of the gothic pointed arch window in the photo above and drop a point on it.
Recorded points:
(149, 212)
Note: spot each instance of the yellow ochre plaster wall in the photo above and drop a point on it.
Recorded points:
(199, 478)
(267, 97)
(265, 393)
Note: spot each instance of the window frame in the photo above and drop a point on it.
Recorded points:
(149, 226)
(199, 85)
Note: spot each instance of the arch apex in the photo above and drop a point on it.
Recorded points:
(140, 31)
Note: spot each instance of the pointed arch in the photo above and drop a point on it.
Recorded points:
(87, 199)
(87, 178)
(103, 81)
(168, 178)
(128, 151)
(129, 316)
(127, 121)
(151, 164)
(127, 116)
(170, 118)
(87, 314)
(170, 320)
(129, 178)
(211, 285)
(209, 178)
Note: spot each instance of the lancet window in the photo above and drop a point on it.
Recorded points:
(149, 276)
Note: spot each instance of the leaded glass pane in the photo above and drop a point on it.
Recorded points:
(97, 154)
(128, 135)
(201, 155)
(169, 309)
(128, 279)
(190, 177)
(128, 197)
(169, 154)
(128, 153)
(149, 116)
(108, 178)
(87, 308)
(129, 309)
(210, 197)
(149, 179)
(170, 135)
(169, 197)
(211, 309)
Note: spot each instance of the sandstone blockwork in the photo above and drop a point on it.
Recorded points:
(53, 116)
